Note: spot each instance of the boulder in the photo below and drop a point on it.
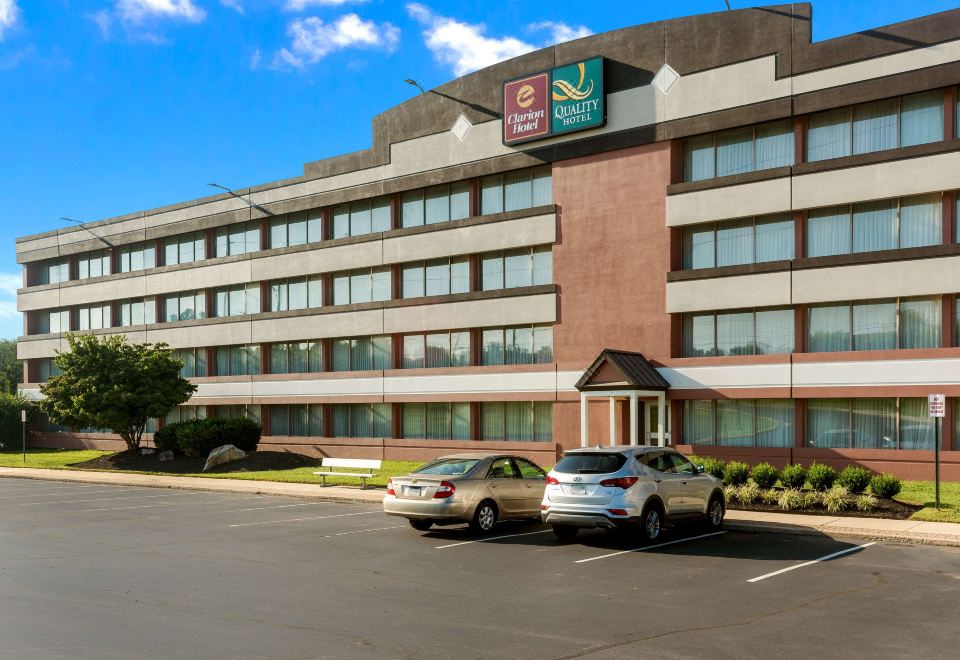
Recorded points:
(224, 454)
(146, 451)
(165, 455)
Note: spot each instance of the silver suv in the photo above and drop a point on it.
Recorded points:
(627, 486)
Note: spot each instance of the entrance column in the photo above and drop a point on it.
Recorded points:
(661, 413)
(613, 421)
(584, 426)
(634, 437)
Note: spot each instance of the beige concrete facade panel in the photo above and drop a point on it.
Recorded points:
(212, 334)
(38, 348)
(762, 290)
(326, 260)
(939, 371)
(726, 87)
(728, 377)
(45, 299)
(472, 314)
(916, 277)
(319, 326)
(201, 277)
(757, 198)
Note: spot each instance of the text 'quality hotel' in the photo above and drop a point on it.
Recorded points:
(708, 232)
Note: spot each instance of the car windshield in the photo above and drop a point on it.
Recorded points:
(593, 463)
(448, 466)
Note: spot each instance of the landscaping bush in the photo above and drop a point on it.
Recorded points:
(165, 439)
(198, 437)
(747, 493)
(793, 476)
(885, 485)
(791, 499)
(736, 473)
(866, 502)
(837, 499)
(770, 496)
(821, 477)
(811, 499)
(854, 478)
(713, 466)
(764, 475)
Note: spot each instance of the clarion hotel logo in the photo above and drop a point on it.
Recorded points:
(563, 100)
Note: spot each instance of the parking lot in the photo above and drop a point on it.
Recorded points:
(112, 571)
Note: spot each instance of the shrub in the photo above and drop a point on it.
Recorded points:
(713, 466)
(885, 485)
(837, 499)
(191, 439)
(736, 473)
(821, 477)
(811, 499)
(747, 493)
(10, 425)
(165, 439)
(854, 478)
(198, 437)
(866, 502)
(764, 475)
(793, 476)
(791, 499)
(770, 496)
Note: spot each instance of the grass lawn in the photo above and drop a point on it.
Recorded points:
(48, 458)
(922, 492)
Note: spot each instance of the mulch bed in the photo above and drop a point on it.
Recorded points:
(254, 462)
(892, 509)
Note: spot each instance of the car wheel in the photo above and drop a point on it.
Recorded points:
(651, 522)
(421, 525)
(715, 512)
(484, 518)
(564, 532)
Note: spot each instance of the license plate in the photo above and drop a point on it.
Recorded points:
(578, 490)
(413, 491)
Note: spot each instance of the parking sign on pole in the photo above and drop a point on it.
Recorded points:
(936, 408)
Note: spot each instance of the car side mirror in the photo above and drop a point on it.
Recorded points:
(698, 469)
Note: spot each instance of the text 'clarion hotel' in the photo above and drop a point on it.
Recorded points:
(708, 232)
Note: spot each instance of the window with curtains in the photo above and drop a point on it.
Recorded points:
(194, 362)
(251, 412)
(301, 357)
(185, 248)
(139, 256)
(236, 300)
(748, 149)
(875, 126)
(361, 420)
(93, 264)
(296, 229)
(137, 312)
(438, 277)
(296, 293)
(739, 422)
(734, 242)
(93, 317)
(297, 420)
(238, 360)
(361, 286)
(436, 421)
(46, 369)
(742, 332)
(871, 226)
(52, 271)
(240, 238)
(185, 414)
(874, 325)
(438, 349)
(361, 353)
(358, 218)
(525, 344)
(53, 320)
(886, 423)
(516, 421)
(438, 204)
(514, 191)
(185, 306)
(515, 268)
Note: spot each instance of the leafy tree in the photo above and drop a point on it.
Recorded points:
(11, 369)
(10, 429)
(110, 383)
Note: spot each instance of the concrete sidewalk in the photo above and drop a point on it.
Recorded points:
(903, 531)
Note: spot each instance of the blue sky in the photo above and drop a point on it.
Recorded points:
(114, 106)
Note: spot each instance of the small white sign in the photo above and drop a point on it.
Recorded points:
(936, 405)
(23, 416)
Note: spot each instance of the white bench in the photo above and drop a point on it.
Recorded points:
(350, 464)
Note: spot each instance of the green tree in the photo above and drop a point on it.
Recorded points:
(10, 429)
(11, 369)
(112, 384)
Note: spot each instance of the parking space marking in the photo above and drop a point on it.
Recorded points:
(150, 506)
(650, 547)
(59, 493)
(272, 522)
(278, 506)
(123, 508)
(811, 563)
(108, 499)
(361, 531)
(492, 538)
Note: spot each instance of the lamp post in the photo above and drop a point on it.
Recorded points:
(411, 81)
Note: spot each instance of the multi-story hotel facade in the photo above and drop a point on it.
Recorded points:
(749, 250)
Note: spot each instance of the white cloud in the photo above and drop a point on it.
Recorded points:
(136, 11)
(560, 32)
(9, 15)
(233, 4)
(9, 283)
(255, 59)
(300, 5)
(313, 39)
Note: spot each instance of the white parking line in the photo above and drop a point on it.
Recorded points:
(649, 547)
(150, 506)
(271, 522)
(361, 531)
(122, 508)
(108, 499)
(491, 538)
(811, 563)
(278, 506)
(60, 493)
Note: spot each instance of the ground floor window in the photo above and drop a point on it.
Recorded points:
(361, 420)
(185, 414)
(521, 421)
(739, 422)
(436, 421)
(297, 420)
(226, 412)
(881, 423)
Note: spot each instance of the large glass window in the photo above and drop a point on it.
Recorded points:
(297, 420)
(185, 306)
(93, 317)
(885, 423)
(438, 277)
(740, 150)
(296, 293)
(363, 217)
(240, 238)
(52, 271)
(185, 414)
(739, 422)
(139, 256)
(874, 325)
(734, 242)
(194, 362)
(437, 204)
(513, 191)
(361, 354)
(93, 264)
(46, 369)
(361, 420)
(251, 412)
(185, 248)
(296, 357)
(434, 350)
(436, 421)
(52, 321)
(296, 229)
(517, 345)
(516, 268)
(516, 421)
(237, 300)
(238, 360)
(137, 312)
(361, 286)
(748, 332)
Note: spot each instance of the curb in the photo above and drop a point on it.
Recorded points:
(843, 532)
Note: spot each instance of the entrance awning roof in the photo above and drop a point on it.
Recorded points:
(623, 370)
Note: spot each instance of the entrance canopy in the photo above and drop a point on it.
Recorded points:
(622, 376)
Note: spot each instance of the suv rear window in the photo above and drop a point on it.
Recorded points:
(593, 463)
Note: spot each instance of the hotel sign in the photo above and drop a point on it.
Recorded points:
(563, 100)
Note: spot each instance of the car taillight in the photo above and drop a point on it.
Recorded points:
(552, 481)
(619, 482)
(390, 490)
(444, 490)
(618, 512)
(544, 507)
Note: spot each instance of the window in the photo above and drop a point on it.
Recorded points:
(361, 420)
(46, 369)
(229, 412)
(361, 354)
(519, 421)
(296, 357)
(240, 238)
(238, 360)
(870, 226)
(237, 300)
(53, 320)
(748, 332)
(194, 362)
(739, 422)
(185, 306)
(442, 349)
(137, 312)
(296, 293)
(185, 248)
(748, 241)
(876, 126)
(740, 150)
(296, 229)
(361, 286)
(436, 421)
(518, 345)
(93, 264)
(53, 271)
(297, 420)
(186, 414)
(139, 256)
(93, 317)
(359, 218)
(874, 325)
(513, 191)
(437, 204)
(515, 268)
(869, 424)
(438, 277)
